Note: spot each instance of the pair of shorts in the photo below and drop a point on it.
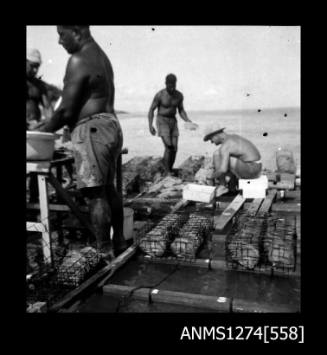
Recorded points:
(246, 170)
(97, 142)
(167, 126)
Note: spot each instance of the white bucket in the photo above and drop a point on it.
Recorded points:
(39, 145)
(128, 222)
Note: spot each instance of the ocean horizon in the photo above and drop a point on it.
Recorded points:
(268, 128)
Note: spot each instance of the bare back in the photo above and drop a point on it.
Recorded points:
(241, 148)
(97, 91)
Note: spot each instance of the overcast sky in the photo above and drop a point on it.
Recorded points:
(216, 66)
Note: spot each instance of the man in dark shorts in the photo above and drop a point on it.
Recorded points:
(36, 92)
(236, 156)
(167, 101)
(87, 107)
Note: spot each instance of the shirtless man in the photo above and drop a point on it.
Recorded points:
(167, 101)
(87, 107)
(36, 92)
(235, 155)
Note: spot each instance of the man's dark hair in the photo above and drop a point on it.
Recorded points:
(171, 78)
(78, 26)
(84, 29)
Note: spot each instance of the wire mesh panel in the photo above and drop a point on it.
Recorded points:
(156, 242)
(279, 243)
(191, 236)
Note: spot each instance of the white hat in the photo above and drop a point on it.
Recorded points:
(33, 55)
(212, 130)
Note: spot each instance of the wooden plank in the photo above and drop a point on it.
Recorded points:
(254, 206)
(180, 204)
(214, 303)
(110, 268)
(63, 161)
(219, 263)
(38, 167)
(286, 207)
(44, 213)
(281, 185)
(203, 263)
(266, 204)
(35, 227)
(221, 221)
(149, 201)
(54, 207)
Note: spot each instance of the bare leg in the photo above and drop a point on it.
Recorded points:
(217, 163)
(168, 155)
(174, 141)
(117, 213)
(101, 217)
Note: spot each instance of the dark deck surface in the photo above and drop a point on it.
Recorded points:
(220, 283)
(247, 286)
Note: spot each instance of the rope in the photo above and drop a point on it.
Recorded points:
(124, 300)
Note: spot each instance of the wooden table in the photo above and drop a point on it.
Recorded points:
(45, 176)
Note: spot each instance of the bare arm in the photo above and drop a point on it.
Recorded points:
(221, 161)
(72, 96)
(154, 105)
(48, 109)
(182, 111)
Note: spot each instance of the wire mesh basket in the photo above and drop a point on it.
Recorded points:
(243, 244)
(261, 244)
(191, 236)
(76, 265)
(156, 241)
(279, 243)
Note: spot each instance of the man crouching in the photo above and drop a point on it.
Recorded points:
(236, 158)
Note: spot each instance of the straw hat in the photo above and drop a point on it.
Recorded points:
(212, 130)
(33, 55)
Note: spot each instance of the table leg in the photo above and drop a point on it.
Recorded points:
(44, 211)
(68, 200)
(59, 215)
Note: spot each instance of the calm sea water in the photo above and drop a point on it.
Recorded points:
(268, 129)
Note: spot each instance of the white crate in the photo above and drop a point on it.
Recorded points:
(199, 193)
(254, 188)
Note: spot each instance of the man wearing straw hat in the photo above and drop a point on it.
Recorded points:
(87, 108)
(36, 92)
(236, 156)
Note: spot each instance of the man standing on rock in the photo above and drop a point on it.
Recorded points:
(167, 101)
(87, 107)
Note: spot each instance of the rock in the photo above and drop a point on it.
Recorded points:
(188, 169)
